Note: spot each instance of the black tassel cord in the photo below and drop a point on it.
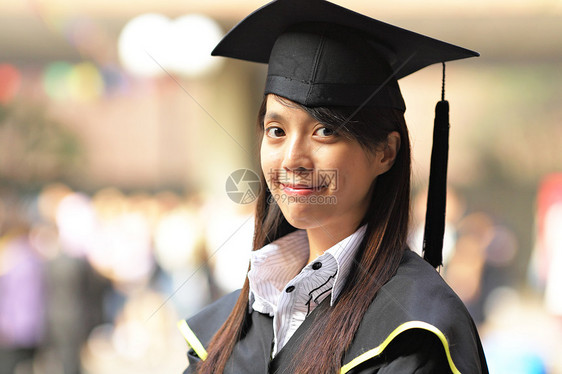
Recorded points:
(437, 191)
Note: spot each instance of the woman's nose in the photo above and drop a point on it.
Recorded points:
(297, 155)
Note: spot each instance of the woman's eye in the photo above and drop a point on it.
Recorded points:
(324, 131)
(274, 132)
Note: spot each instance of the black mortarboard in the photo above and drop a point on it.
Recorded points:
(321, 54)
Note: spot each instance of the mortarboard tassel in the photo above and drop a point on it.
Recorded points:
(437, 191)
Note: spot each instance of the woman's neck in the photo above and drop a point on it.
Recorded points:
(322, 238)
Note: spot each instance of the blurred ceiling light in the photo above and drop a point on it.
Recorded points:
(55, 80)
(115, 80)
(85, 83)
(152, 44)
(142, 44)
(79, 82)
(194, 38)
(10, 80)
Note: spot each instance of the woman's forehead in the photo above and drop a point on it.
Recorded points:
(281, 109)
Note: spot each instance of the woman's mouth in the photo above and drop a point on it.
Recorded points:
(300, 189)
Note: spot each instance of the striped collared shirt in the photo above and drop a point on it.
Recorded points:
(285, 287)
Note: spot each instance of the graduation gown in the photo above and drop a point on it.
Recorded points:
(416, 323)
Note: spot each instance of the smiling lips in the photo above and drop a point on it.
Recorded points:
(300, 189)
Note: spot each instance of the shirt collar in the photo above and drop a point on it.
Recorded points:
(275, 264)
(344, 254)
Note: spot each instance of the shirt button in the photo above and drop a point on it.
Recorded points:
(290, 289)
(316, 265)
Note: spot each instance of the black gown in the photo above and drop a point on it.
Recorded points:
(415, 324)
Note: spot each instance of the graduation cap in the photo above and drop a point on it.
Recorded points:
(321, 54)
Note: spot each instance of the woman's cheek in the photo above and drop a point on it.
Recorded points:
(265, 156)
(270, 160)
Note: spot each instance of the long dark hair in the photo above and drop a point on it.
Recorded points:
(376, 260)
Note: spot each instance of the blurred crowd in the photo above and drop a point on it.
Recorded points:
(520, 330)
(96, 283)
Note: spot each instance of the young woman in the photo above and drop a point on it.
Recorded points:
(332, 286)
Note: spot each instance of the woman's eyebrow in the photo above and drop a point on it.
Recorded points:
(273, 116)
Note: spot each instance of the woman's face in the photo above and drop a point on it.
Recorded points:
(318, 178)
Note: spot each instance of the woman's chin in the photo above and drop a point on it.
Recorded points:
(301, 218)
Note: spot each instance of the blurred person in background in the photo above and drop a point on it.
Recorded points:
(333, 286)
(481, 261)
(22, 299)
(547, 257)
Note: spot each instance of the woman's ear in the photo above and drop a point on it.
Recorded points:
(390, 150)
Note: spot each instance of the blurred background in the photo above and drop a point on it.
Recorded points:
(118, 134)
